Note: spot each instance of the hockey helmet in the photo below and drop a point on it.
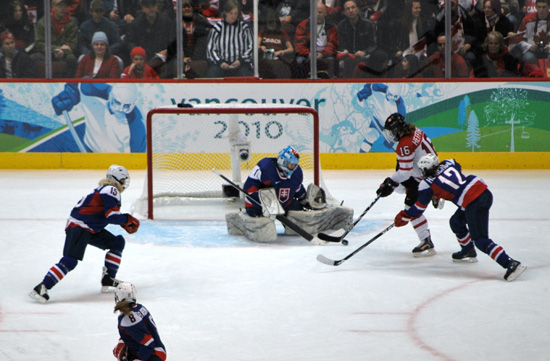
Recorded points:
(394, 127)
(122, 97)
(428, 164)
(125, 291)
(119, 175)
(288, 160)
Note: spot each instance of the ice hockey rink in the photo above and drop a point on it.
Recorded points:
(217, 297)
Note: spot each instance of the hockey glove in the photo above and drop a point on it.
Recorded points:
(386, 188)
(402, 219)
(67, 99)
(365, 92)
(132, 225)
(120, 350)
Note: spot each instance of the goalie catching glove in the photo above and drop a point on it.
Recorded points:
(132, 225)
(315, 198)
(387, 187)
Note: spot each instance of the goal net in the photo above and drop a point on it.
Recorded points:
(184, 145)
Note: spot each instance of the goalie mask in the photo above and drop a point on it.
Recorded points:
(394, 127)
(118, 174)
(122, 97)
(428, 164)
(125, 291)
(287, 160)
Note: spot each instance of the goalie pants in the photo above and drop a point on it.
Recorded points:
(76, 241)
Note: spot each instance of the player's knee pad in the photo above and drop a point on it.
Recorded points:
(336, 217)
(68, 262)
(118, 244)
(458, 225)
(257, 229)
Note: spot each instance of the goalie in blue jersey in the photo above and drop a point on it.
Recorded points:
(86, 226)
(276, 186)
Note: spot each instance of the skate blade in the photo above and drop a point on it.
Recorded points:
(517, 273)
(428, 253)
(107, 289)
(35, 296)
(466, 260)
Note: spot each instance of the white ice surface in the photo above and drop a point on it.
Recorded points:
(217, 297)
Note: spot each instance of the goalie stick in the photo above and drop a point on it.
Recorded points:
(280, 217)
(331, 262)
(330, 238)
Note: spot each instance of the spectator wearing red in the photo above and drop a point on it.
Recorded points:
(138, 69)
(100, 63)
(435, 67)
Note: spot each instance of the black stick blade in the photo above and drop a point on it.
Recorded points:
(328, 237)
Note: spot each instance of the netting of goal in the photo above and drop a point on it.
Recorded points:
(184, 145)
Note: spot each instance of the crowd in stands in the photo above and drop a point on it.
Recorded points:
(136, 39)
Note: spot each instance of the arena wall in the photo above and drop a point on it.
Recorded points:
(486, 125)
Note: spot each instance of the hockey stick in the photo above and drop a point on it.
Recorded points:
(73, 132)
(329, 238)
(331, 262)
(280, 217)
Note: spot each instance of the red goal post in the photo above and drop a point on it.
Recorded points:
(185, 143)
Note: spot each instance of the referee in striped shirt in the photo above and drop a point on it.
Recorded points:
(230, 45)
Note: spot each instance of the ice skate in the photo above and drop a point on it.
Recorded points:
(107, 283)
(40, 293)
(425, 248)
(513, 270)
(469, 256)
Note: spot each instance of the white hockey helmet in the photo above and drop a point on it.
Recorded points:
(428, 164)
(122, 97)
(395, 91)
(125, 291)
(119, 174)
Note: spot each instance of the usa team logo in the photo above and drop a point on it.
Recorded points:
(284, 194)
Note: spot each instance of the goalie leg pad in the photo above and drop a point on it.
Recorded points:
(321, 220)
(257, 229)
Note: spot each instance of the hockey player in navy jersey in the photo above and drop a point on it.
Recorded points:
(470, 222)
(139, 337)
(412, 144)
(282, 177)
(86, 226)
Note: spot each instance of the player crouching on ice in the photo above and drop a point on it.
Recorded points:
(470, 222)
(86, 226)
(276, 184)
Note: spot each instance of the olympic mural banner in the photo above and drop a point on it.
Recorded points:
(109, 117)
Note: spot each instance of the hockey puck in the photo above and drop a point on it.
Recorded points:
(344, 242)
